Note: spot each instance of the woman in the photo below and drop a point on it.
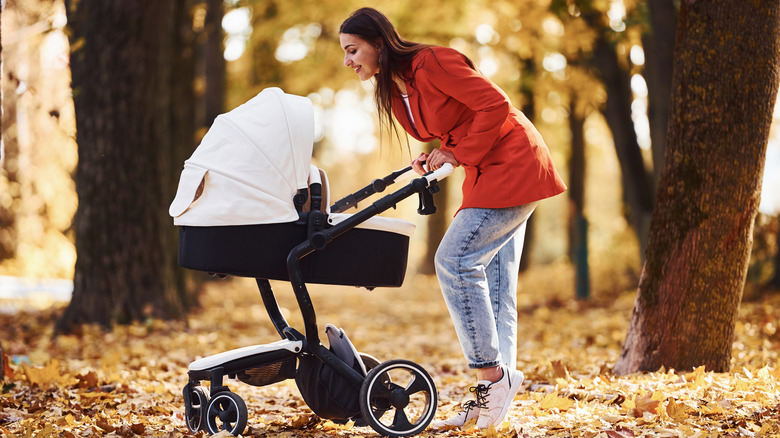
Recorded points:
(435, 92)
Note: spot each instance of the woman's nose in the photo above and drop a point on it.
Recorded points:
(347, 61)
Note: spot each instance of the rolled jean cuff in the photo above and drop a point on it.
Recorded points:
(476, 366)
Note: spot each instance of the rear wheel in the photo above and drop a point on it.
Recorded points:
(195, 410)
(398, 398)
(226, 411)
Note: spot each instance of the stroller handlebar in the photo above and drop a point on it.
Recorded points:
(444, 171)
(379, 185)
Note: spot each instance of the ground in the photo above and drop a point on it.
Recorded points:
(128, 382)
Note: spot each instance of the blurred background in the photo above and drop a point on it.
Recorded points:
(560, 63)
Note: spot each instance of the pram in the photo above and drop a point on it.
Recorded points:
(250, 204)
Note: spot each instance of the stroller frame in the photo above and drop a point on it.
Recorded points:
(219, 409)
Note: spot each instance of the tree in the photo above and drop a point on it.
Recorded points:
(725, 83)
(658, 44)
(126, 60)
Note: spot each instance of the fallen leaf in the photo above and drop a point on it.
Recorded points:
(644, 404)
(51, 374)
(552, 400)
(676, 411)
(559, 369)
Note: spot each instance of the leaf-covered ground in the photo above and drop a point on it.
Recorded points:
(128, 382)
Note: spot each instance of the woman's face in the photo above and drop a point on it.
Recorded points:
(360, 55)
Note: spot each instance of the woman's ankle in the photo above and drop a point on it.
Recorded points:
(491, 374)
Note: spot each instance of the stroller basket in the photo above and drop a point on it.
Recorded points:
(269, 373)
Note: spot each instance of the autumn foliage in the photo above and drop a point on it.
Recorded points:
(128, 382)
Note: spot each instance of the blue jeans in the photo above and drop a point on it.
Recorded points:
(477, 264)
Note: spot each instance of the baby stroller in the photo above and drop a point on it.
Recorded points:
(250, 204)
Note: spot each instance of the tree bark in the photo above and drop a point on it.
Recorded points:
(122, 63)
(726, 73)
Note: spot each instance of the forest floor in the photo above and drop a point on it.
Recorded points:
(128, 382)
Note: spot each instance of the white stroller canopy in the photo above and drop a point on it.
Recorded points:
(250, 164)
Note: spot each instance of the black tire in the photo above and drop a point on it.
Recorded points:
(195, 411)
(226, 411)
(398, 398)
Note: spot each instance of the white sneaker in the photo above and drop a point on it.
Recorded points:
(469, 412)
(494, 398)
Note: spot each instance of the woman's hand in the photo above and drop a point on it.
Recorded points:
(417, 163)
(433, 161)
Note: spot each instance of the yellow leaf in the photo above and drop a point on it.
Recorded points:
(48, 375)
(559, 369)
(302, 420)
(552, 400)
(696, 378)
(644, 404)
(676, 411)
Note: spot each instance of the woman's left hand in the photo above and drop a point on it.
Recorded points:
(438, 157)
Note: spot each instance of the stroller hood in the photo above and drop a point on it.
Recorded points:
(249, 165)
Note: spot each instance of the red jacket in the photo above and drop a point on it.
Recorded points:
(505, 159)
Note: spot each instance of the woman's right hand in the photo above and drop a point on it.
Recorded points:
(417, 163)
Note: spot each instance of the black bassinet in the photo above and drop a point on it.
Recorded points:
(361, 257)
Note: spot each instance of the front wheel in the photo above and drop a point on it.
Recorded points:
(398, 398)
(226, 411)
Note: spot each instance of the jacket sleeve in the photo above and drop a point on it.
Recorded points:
(447, 71)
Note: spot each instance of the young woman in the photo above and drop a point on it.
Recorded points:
(435, 92)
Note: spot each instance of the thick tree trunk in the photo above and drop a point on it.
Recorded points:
(727, 60)
(122, 60)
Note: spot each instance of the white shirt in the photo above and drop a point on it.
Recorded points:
(409, 109)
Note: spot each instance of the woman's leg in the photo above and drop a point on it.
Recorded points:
(482, 298)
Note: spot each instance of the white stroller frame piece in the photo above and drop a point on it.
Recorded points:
(218, 408)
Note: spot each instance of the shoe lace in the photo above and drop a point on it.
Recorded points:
(481, 393)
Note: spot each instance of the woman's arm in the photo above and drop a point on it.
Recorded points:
(446, 70)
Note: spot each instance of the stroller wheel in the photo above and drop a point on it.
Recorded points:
(398, 398)
(226, 411)
(369, 361)
(195, 410)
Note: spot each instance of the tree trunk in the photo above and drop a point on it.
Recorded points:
(658, 44)
(725, 84)
(122, 62)
(529, 109)
(214, 60)
(638, 190)
(578, 224)
(9, 152)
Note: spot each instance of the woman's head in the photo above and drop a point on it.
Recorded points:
(373, 48)
(370, 30)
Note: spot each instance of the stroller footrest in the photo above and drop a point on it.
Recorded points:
(240, 353)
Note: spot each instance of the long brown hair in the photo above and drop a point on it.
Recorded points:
(395, 57)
